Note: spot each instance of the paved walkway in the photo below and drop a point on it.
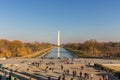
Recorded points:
(24, 69)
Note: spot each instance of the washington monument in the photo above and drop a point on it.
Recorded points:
(58, 44)
(58, 38)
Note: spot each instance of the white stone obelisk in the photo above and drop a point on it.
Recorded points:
(58, 38)
(58, 44)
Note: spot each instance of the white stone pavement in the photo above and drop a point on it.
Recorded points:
(19, 67)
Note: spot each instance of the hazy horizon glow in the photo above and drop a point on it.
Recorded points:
(77, 20)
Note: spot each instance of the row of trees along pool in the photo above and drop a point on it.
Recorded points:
(93, 48)
(17, 48)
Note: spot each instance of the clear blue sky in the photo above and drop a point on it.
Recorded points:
(78, 20)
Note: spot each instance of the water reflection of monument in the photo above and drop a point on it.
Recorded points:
(58, 44)
(58, 52)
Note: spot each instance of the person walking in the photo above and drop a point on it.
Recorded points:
(82, 67)
(80, 74)
(100, 78)
(85, 75)
(46, 68)
(0, 77)
(68, 72)
(27, 69)
(63, 78)
(59, 78)
(61, 67)
(73, 73)
(15, 77)
(10, 78)
(49, 78)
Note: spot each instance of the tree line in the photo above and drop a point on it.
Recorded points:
(93, 48)
(17, 48)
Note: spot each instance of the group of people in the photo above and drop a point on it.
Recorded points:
(9, 77)
(80, 74)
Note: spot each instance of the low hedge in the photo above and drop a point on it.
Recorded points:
(103, 68)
